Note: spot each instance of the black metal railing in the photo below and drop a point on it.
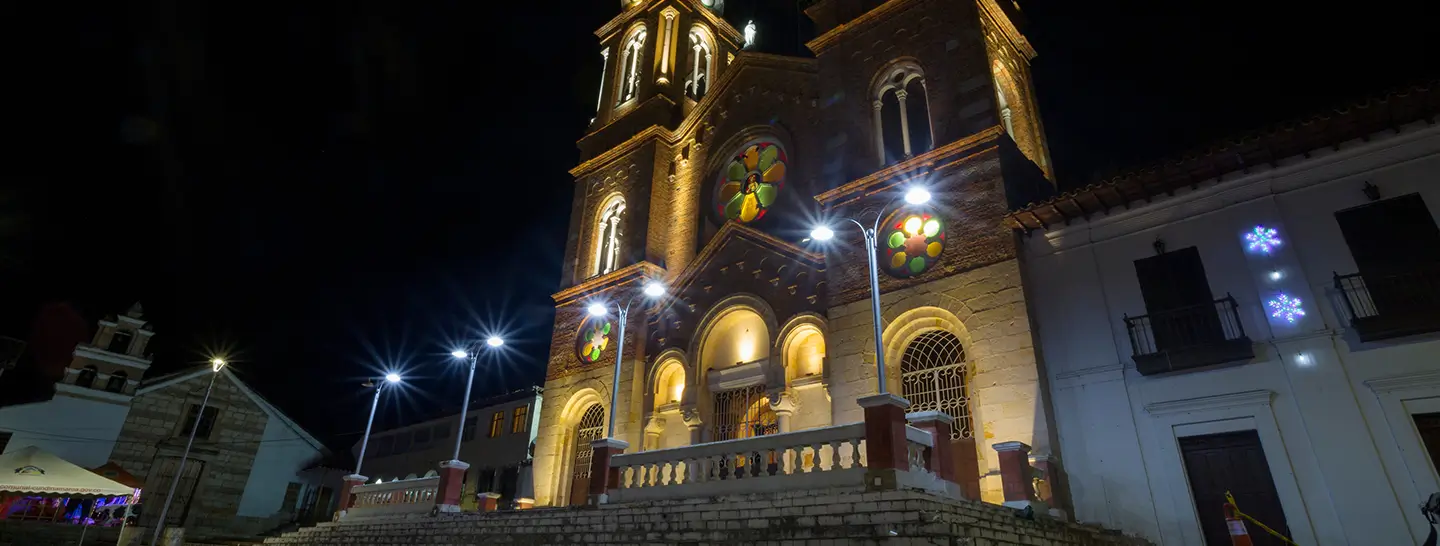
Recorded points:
(1188, 337)
(1394, 305)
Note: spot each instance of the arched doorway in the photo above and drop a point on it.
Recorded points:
(933, 376)
(591, 427)
(744, 413)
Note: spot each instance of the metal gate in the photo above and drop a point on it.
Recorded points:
(744, 413)
(590, 428)
(932, 377)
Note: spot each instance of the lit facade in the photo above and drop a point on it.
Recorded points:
(1258, 318)
(706, 166)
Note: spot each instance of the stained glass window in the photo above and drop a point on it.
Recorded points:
(593, 339)
(912, 243)
(750, 182)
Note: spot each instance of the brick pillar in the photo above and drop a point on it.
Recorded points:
(452, 483)
(1015, 474)
(941, 458)
(348, 483)
(886, 450)
(602, 476)
(967, 467)
(489, 502)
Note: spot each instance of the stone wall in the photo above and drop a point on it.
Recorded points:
(34, 533)
(985, 307)
(153, 429)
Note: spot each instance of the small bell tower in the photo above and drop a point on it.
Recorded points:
(110, 366)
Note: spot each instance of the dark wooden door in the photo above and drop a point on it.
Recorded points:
(1178, 299)
(1429, 426)
(1234, 462)
(1391, 240)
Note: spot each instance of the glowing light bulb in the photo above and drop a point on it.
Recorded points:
(457, 353)
(913, 225)
(392, 377)
(494, 341)
(1276, 275)
(596, 309)
(917, 196)
(654, 290)
(822, 233)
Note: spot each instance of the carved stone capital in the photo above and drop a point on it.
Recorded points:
(783, 402)
(691, 416)
(656, 425)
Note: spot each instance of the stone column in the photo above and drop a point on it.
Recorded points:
(941, 458)
(653, 428)
(1015, 474)
(347, 498)
(602, 476)
(691, 416)
(452, 482)
(885, 446)
(783, 404)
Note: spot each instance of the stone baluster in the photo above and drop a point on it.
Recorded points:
(670, 472)
(856, 454)
(834, 455)
(815, 458)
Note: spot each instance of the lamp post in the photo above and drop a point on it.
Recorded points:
(216, 364)
(390, 379)
(652, 290)
(452, 472)
(916, 196)
(357, 479)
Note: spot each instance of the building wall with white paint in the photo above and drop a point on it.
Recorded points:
(1334, 414)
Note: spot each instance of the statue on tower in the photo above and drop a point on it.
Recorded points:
(750, 34)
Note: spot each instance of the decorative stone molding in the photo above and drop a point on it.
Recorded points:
(1221, 401)
(1422, 380)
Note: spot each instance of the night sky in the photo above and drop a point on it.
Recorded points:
(320, 190)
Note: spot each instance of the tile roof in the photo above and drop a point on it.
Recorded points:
(1358, 120)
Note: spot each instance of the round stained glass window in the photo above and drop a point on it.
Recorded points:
(594, 337)
(911, 243)
(750, 182)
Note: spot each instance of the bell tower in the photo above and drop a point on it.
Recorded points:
(110, 367)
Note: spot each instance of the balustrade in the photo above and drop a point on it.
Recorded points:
(394, 498)
(813, 458)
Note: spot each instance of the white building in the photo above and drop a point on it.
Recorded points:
(245, 473)
(496, 441)
(1261, 318)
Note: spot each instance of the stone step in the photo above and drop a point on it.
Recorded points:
(844, 517)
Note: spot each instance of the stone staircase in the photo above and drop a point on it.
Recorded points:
(839, 516)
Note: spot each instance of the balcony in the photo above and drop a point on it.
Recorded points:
(1391, 306)
(1189, 337)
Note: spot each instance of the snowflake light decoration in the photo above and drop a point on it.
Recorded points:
(1263, 239)
(1286, 308)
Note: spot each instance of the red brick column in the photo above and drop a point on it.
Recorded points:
(452, 483)
(1015, 474)
(941, 457)
(886, 450)
(602, 476)
(489, 502)
(348, 483)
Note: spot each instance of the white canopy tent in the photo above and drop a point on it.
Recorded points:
(30, 471)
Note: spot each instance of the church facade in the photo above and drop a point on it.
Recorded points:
(705, 169)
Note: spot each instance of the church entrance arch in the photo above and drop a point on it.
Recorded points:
(745, 413)
(591, 427)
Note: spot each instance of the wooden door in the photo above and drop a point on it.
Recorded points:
(1178, 299)
(162, 473)
(1390, 239)
(1234, 462)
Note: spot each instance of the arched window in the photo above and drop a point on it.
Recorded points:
(86, 377)
(933, 378)
(702, 62)
(902, 114)
(670, 384)
(609, 232)
(116, 383)
(630, 55)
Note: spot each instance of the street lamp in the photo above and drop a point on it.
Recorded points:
(915, 196)
(216, 364)
(391, 378)
(494, 342)
(651, 290)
